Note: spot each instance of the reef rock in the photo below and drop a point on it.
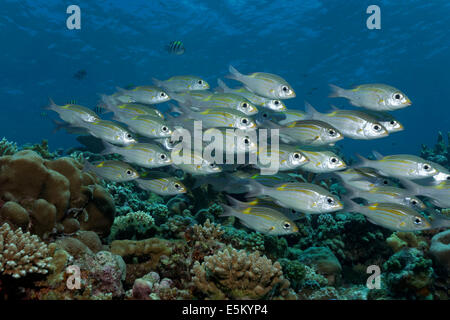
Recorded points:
(440, 249)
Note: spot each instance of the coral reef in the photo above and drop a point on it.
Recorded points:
(440, 153)
(7, 148)
(440, 250)
(151, 287)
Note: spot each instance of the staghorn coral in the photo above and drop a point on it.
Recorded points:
(7, 148)
(204, 239)
(22, 253)
(233, 274)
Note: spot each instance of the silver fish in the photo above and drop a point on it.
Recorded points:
(322, 161)
(182, 83)
(109, 131)
(112, 170)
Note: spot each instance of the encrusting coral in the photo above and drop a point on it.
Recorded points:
(22, 253)
(233, 274)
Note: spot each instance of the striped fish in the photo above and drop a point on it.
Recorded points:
(262, 219)
(352, 123)
(193, 162)
(116, 171)
(439, 194)
(292, 115)
(387, 120)
(400, 166)
(322, 161)
(109, 131)
(289, 157)
(362, 178)
(386, 194)
(304, 197)
(272, 104)
(175, 47)
(182, 83)
(146, 155)
(168, 186)
(146, 125)
(310, 132)
(391, 216)
(143, 94)
(73, 113)
(129, 109)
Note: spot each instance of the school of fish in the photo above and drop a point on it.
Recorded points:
(391, 188)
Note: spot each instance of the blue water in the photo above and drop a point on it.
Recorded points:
(310, 43)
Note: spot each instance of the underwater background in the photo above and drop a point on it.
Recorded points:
(138, 245)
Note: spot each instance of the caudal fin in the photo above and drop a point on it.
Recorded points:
(377, 155)
(311, 112)
(336, 92)
(364, 162)
(255, 189)
(158, 83)
(234, 74)
(412, 187)
(108, 148)
(51, 105)
(228, 211)
(222, 86)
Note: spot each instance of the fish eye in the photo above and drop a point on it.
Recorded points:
(286, 225)
(212, 165)
(177, 186)
(246, 140)
(265, 115)
(393, 123)
(129, 172)
(200, 81)
(276, 102)
(163, 156)
(244, 105)
(426, 167)
(330, 200)
(297, 155)
(398, 96)
(162, 94)
(129, 135)
(332, 132)
(376, 127)
(414, 202)
(417, 220)
(244, 120)
(285, 89)
(164, 129)
(293, 211)
(334, 160)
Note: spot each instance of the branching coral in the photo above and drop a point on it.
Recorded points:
(233, 274)
(134, 225)
(7, 148)
(22, 253)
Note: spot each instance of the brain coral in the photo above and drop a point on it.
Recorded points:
(38, 195)
(22, 253)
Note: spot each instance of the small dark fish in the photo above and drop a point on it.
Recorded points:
(80, 74)
(175, 47)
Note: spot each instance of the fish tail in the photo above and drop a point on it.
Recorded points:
(121, 90)
(108, 102)
(177, 97)
(140, 183)
(349, 205)
(377, 155)
(412, 187)
(108, 148)
(222, 86)
(234, 202)
(364, 161)
(157, 82)
(51, 105)
(255, 189)
(351, 192)
(228, 211)
(234, 74)
(336, 91)
(311, 112)
(59, 125)
(88, 167)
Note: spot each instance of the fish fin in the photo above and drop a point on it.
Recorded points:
(234, 74)
(234, 202)
(411, 186)
(88, 167)
(222, 86)
(158, 83)
(59, 125)
(228, 211)
(311, 112)
(177, 97)
(108, 148)
(51, 105)
(364, 161)
(352, 192)
(108, 102)
(377, 155)
(255, 189)
(336, 91)
(334, 108)
(121, 90)
(350, 205)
